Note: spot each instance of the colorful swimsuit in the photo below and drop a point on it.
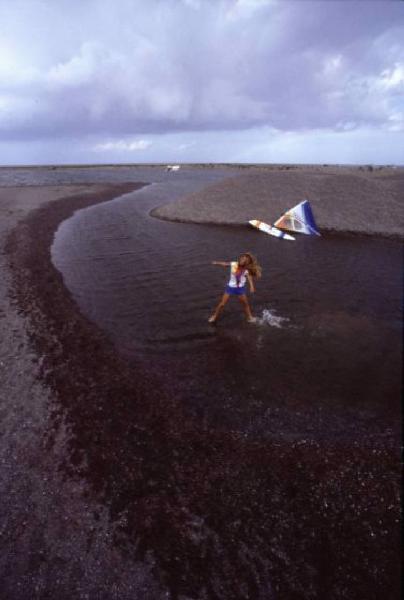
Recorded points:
(237, 281)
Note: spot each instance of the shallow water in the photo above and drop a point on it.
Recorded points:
(323, 358)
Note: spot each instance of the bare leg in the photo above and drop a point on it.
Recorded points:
(219, 308)
(246, 307)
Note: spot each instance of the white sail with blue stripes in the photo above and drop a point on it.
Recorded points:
(299, 219)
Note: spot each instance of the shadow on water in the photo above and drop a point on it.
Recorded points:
(221, 451)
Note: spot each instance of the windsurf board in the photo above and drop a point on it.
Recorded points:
(270, 230)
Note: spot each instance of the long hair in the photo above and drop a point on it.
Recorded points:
(253, 267)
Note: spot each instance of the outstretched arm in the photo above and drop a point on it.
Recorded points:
(221, 263)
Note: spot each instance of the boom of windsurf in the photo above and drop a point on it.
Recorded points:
(270, 230)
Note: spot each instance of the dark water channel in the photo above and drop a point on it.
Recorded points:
(324, 356)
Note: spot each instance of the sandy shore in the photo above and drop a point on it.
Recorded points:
(110, 490)
(344, 199)
(55, 539)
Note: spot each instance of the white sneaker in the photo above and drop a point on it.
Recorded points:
(252, 320)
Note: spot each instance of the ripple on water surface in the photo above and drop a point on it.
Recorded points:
(327, 337)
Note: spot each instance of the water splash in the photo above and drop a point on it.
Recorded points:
(270, 318)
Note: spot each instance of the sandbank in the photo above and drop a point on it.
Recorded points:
(360, 200)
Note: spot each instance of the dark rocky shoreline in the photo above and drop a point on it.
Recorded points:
(183, 510)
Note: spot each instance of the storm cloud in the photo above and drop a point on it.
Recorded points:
(126, 76)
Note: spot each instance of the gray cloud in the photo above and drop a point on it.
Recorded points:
(133, 68)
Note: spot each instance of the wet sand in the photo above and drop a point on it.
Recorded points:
(110, 490)
(344, 199)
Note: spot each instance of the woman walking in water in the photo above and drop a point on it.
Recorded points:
(241, 271)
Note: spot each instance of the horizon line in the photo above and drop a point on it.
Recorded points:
(211, 164)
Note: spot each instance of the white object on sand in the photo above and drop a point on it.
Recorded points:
(270, 230)
(172, 167)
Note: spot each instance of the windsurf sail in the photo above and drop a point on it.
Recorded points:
(300, 219)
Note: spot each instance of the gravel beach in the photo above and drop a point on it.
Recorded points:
(47, 520)
(362, 200)
(112, 491)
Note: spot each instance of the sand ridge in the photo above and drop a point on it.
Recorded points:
(55, 539)
(343, 200)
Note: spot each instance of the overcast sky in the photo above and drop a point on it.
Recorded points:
(96, 81)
